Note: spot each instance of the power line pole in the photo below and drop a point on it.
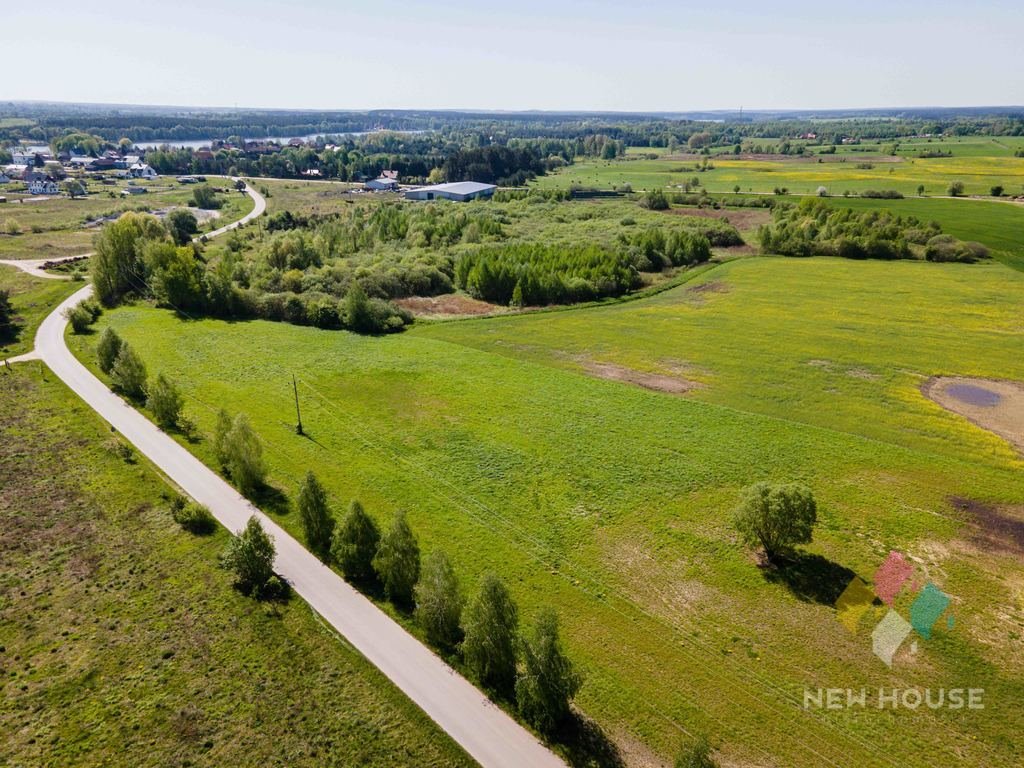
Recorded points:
(298, 414)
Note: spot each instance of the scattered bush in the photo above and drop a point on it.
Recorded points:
(193, 517)
(181, 225)
(204, 196)
(884, 194)
(655, 200)
(956, 189)
(79, 317)
(695, 755)
(945, 248)
(244, 456)
(250, 556)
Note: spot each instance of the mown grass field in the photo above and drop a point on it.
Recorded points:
(613, 502)
(122, 643)
(838, 174)
(57, 226)
(33, 298)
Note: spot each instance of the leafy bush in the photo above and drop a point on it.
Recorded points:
(653, 249)
(945, 248)
(439, 601)
(193, 517)
(655, 200)
(885, 194)
(80, 318)
(397, 561)
(205, 197)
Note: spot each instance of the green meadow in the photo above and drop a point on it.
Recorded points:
(512, 448)
(123, 643)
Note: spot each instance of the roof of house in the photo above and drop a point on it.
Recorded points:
(458, 187)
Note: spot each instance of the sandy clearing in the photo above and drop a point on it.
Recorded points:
(992, 404)
(448, 305)
(673, 385)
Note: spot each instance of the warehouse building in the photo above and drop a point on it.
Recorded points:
(459, 191)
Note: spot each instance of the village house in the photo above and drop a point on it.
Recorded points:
(143, 171)
(43, 186)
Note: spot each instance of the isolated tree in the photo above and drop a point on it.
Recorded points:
(245, 456)
(776, 517)
(439, 601)
(107, 349)
(220, 438)
(491, 626)
(317, 521)
(355, 544)
(956, 189)
(397, 561)
(920, 190)
(6, 314)
(997, 190)
(736, 189)
(129, 373)
(696, 754)
(250, 555)
(165, 401)
(181, 225)
(547, 682)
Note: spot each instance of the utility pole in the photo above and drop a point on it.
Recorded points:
(298, 414)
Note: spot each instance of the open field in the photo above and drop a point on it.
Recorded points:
(522, 445)
(57, 226)
(33, 298)
(800, 175)
(122, 643)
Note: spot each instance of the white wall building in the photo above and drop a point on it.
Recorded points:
(459, 191)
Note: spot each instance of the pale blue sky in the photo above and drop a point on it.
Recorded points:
(527, 54)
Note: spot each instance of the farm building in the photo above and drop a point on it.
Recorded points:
(459, 191)
(382, 184)
(142, 171)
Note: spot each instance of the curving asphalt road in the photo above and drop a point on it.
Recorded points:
(490, 736)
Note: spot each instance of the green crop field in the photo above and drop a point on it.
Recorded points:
(122, 643)
(32, 298)
(511, 447)
(802, 175)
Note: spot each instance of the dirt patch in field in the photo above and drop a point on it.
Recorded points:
(448, 305)
(998, 529)
(674, 385)
(744, 219)
(991, 404)
(711, 286)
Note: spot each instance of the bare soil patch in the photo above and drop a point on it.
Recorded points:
(991, 404)
(448, 305)
(999, 529)
(674, 385)
(711, 286)
(744, 219)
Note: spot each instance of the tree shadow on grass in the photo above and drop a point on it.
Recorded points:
(811, 578)
(586, 745)
(271, 499)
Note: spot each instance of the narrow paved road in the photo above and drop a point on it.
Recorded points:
(490, 736)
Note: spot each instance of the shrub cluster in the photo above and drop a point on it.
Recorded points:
(654, 249)
(814, 228)
(535, 274)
